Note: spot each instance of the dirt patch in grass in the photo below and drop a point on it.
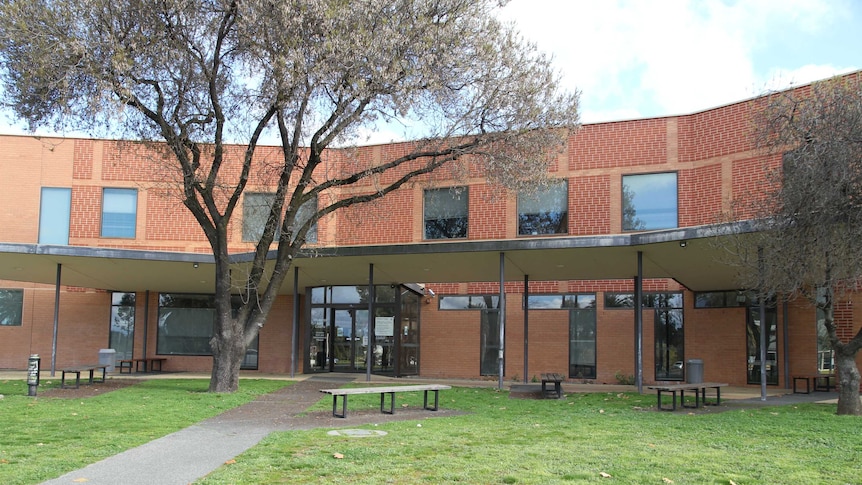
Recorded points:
(86, 390)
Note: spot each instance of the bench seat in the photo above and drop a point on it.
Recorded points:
(552, 378)
(699, 389)
(816, 379)
(383, 391)
(148, 362)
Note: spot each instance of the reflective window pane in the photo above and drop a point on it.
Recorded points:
(545, 211)
(11, 307)
(446, 213)
(649, 201)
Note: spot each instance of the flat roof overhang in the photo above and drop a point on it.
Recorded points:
(698, 265)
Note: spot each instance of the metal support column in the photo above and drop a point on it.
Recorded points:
(370, 347)
(146, 323)
(56, 319)
(502, 316)
(526, 326)
(294, 345)
(764, 330)
(639, 325)
(785, 323)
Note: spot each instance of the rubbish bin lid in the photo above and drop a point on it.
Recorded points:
(695, 361)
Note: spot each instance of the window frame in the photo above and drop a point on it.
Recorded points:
(16, 318)
(527, 220)
(624, 204)
(115, 230)
(457, 194)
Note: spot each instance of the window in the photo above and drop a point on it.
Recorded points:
(122, 324)
(472, 302)
(54, 215)
(669, 335)
(544, 212)
(255, 211)
(446, 213)
(649, 202)
(186, 324)
(561, 301)
(119, 209)
(11, 307)
(722, 299)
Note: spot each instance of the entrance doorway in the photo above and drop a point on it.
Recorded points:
(340, 330)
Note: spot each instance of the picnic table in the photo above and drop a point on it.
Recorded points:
(816, 380)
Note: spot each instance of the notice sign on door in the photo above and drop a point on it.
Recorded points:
(384, 327)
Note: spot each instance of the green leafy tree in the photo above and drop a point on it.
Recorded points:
(209, 78)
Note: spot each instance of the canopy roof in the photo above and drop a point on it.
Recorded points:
(692, 256)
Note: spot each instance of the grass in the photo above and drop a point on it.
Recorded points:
(43, 438)
(574, 440)
(497, 441)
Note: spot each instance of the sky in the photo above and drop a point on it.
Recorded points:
(643, 58)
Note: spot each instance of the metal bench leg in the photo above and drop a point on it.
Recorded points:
(436, 401)
(391, 402)
(343, 406)
(673, 402)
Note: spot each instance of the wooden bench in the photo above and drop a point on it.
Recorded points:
(77, 371)
(816, 379)
(699, 389)
(383, 391)
(148, 362)
(556, 379)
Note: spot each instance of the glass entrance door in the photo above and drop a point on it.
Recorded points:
(753, 346)
(350, 339)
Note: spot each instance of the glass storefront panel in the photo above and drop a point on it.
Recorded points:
(753, 345)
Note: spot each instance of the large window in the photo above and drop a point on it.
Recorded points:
(255, 211)
(186, 324)
(446, 213)
(649, 201)
(11, 307)
(119, 212)
(54, 215)
(544, 212)
(122, 324)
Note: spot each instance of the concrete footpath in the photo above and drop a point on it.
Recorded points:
(189, 454)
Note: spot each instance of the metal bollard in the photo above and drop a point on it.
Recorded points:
(33, 374)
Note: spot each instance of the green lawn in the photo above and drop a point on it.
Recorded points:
(497, 440)
(574, 440)
(43, 438)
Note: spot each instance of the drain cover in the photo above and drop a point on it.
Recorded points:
(356, 433)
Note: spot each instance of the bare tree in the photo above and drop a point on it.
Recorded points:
(198, 74)
(808, 242)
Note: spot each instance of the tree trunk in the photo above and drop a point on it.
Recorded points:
(228, 348)
(848, 382)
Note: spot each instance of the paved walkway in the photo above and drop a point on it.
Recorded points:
(190, 454)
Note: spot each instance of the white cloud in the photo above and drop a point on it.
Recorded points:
(654, 58)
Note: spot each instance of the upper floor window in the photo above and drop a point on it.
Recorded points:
(446, 213)
(119, 212)
(649, 201)
(255, 211)
(55, 210)
(545, 211)
(11, 307)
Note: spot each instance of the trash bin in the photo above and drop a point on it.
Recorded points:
(694, 371)
(108, 357)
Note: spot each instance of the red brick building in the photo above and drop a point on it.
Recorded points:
(101, 217)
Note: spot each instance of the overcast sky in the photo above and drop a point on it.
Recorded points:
(643, 58)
